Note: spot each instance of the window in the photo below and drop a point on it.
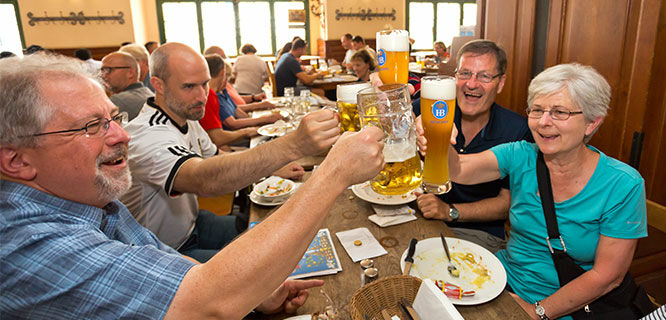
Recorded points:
(11, 38)
(231, 24)
(438, 20)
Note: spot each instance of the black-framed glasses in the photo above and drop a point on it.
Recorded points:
(93, 127)
(109, 69)
(556, 112)
(480, 76)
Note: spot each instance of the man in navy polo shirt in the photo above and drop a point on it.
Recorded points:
(288, 70)
(481, 124)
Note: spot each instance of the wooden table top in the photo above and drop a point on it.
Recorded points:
(350, 212)
(332, 83)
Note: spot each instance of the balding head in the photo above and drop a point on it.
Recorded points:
(119, 70)
(215, 50)
(180, 77)
(140, 54)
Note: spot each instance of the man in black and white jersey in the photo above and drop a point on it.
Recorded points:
(173, 160)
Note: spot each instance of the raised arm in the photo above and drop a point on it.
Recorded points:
(222, 137)
(246, 272)
(308, 79)
(236, 123)
(229, 172)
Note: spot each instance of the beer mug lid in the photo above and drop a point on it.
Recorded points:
(347, 92)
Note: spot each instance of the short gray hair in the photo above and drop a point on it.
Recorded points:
(24, 110)
(588, 89)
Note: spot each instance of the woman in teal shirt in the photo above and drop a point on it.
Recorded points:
(599, 201)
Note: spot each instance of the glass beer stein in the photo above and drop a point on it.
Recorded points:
(438, 106)
(347, 109)
(388, 108)
(393, 56)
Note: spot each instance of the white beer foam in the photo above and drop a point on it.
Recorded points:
(347, 92)
(438, 89)
(399, 152)
(396, 41)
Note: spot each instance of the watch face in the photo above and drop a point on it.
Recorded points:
(540, 311)
(453, 213)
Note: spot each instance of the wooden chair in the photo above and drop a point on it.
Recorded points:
(649, 264)
(271, 77)
(220, 206)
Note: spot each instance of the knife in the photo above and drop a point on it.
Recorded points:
(452, 268)
(409, 258)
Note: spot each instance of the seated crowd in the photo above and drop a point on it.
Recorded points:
(99, 206)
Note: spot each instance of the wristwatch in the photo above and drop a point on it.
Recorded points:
(454, 214)
(540, 311)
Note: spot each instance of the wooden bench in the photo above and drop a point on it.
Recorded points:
(649, 264)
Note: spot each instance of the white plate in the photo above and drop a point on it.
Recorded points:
(430, 263)
(262, 201)
(365, 192)
(275, 129)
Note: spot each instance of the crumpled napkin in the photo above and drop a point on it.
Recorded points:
(391, 215)
(432, 304)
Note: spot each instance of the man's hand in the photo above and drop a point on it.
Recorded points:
(271, 118)
(317, 132)
(249, 132)
(432, 207)
(357, 156)
(266, 105)
(292, 171)
(288, 297)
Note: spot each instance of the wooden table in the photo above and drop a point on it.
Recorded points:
(332, 83)
(350, 212)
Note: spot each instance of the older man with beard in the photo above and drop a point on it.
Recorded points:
(173, 159)
(70, 250)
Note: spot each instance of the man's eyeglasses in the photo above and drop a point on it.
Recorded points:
(557, 113)
(480, 76)
(109, 69)
(93, 127)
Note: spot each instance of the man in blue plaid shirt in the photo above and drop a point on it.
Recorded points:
(70, 250)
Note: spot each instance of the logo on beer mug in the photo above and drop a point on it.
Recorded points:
(440, 109)
(381, 57)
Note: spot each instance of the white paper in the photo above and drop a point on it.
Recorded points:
(389, 211)
(432, 304)
(392, 220)
(369, 247)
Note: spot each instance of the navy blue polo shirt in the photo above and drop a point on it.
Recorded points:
(503, 126)
(227, 106)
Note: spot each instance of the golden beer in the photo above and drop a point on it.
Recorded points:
(438, 105)
(398, 177)
(347, 109)
(393, 56)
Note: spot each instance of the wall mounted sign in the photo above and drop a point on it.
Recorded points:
(297, 16)
(365, 14)
(74, 18)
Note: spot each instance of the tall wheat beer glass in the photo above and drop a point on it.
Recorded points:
(388, 107)
(393, 56)
(438, 106)
(347, 108)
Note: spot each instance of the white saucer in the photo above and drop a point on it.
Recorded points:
(263, 202)
(365, 192)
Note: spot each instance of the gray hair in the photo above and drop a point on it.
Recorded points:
(159, 63)
(481, 47)
(588, 89)
(24, 110)
(137, 51)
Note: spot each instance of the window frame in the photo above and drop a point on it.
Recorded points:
(18, 19)
(271, 5)
(434, 8)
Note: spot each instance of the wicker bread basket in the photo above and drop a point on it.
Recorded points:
(384, 293)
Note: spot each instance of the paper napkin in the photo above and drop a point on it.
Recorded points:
(387, 211)
(391, 220)
(432, 304)
(369, 247)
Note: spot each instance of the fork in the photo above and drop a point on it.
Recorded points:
(451, 267)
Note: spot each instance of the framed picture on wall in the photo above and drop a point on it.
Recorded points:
(297, 16)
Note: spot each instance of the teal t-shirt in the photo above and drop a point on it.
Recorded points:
(612, 203)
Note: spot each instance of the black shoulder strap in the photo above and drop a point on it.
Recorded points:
(546, 192)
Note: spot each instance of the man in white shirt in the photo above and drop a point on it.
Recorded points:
(346, 42)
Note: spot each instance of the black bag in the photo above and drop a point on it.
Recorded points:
(627, 301)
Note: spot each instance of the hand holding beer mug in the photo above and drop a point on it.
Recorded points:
(346, 94)
(388, 108)
(438, 105)
(393, 56)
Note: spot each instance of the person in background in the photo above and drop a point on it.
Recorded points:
(363, 64)
(477, 212)
(120, 75)
(441, 53)
(285, 49)
(84, 55)
(359, 44)
(7, 54)
(249, 102)
(599, 201)
(151, 46)
(346, 42)
(141, 55)
(34, 48)
(288, 70)
(215, 50)
(250, 72)
(71, 250)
